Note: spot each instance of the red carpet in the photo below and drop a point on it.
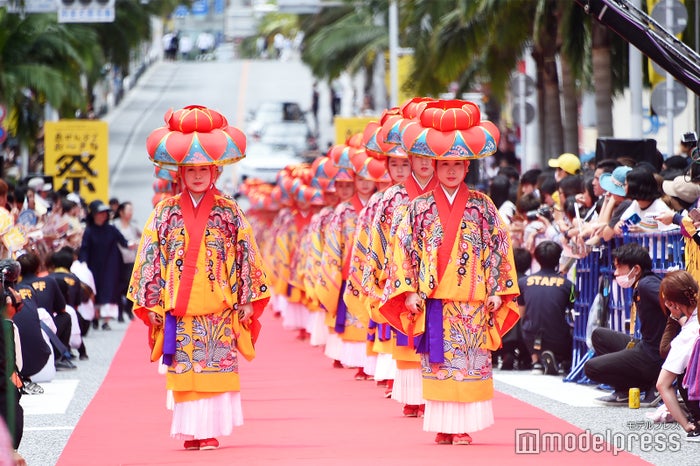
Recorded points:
(298, 410)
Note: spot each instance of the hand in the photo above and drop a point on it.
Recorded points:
(18, 459)
(156, 320)
(412, 300)
(245, 312)
(493, 303)
(665, 217)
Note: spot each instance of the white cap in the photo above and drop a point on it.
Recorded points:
(74, 197)
(36, 183)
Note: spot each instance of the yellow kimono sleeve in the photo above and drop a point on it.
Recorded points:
(402, 278)
(330, 276)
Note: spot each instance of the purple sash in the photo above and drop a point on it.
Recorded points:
(384, 332)
(691, 381)
(431, 341)
(341, 314)
(401, 338)
(169, 338)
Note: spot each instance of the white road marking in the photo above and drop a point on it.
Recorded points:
(55, 399)
(552, 387)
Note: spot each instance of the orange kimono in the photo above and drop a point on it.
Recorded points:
(335, 261)
(454, 256)
(204, 342)
(357, 321)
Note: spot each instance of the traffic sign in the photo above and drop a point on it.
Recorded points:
(658, 98)
(529, 113)
(680, 15)
(516, 85)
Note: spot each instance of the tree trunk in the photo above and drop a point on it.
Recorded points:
(571, 120)
(541, 123)
(602, 79)
(547, 43)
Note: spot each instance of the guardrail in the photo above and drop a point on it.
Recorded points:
(594, 274)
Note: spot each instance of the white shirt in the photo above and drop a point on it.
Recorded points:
(648, 223)
(681, 346)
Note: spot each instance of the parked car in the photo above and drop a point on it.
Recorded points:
(273, 112)
(261, 161)
(294, 134)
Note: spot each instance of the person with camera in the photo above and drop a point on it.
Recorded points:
(614, 204)
(538, 226)
(621, 360)
(545, 296)
(640, 216)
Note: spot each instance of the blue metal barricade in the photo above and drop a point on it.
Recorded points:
(596, 270)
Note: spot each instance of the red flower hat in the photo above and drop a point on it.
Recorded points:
(450, 130)
(195, 135)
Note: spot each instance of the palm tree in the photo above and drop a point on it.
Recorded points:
(346, 38)
(40, 62)
(478, 43)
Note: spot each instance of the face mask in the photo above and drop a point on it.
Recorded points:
(625, 281)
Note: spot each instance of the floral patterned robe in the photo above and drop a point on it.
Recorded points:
(335, 257)
(455, 258)
(209, 336)
(357, 311)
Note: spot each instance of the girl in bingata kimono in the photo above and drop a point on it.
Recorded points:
(453, 281)
(198, 280)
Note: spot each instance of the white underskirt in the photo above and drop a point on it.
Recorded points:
(408, 387)
(279, 303)
(370, 366)
(319, 329)
(334, 346)
(296, 317)
(207, 418)
(457, 418)
(386, 367)
(354, 353)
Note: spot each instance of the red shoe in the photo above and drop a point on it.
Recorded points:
(410, 411)
(337, 364)
(382, 383)
(208, 444)
(191, 444)
(421, 410)
(360, 374)
(443, 439)
(461, 439)
(303, 335)
(389, 389)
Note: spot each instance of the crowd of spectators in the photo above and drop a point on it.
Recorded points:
(561, 214)
(64, 267)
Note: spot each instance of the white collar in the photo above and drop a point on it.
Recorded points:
(450, 197)
(195, 202)
(422, 186)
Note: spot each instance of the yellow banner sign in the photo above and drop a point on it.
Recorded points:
(76, 155)
(347, 126)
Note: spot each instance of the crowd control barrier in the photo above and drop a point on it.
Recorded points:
(594, 277)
